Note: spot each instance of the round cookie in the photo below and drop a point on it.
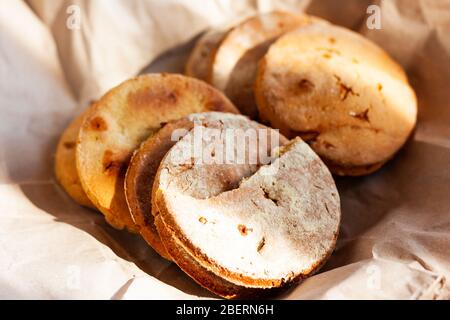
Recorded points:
(124, 117)
(341, 93)
(142, 170)
(200, 60)
(65, 167)
(236, 58)
(258, 226)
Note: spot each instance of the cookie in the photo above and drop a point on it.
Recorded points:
(341, 93)
(142, 170)
(65, 168)
(257, 226)
(235, 61)
(200, 60)
(123, 118)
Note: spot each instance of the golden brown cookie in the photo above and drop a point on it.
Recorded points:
(124, 117)
(341, 93)
(65, 167)
(236, 58)
(256, 226)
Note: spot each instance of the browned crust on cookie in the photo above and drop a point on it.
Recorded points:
(163, 212)
(65, 167)
(202, 276)
(139, 181)
(353, 171)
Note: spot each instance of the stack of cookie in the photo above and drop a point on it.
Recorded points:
(237, 226)
(338, 91)
(157, 155)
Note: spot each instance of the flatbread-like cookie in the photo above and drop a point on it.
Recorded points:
(142, 170)
(65, 167)
(236, 58)
(341, 93)
(124, 117)
(254, 226)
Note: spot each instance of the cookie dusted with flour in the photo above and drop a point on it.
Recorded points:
(341, 93)
(123, 118)
(243, 228)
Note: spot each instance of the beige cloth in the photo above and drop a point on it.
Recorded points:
(395, 235)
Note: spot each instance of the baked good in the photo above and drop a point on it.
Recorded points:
(142, 170)
(281, 219)
(235, 61)
(338, 91)
(199, 63)
(65, 168)
(124, 117)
